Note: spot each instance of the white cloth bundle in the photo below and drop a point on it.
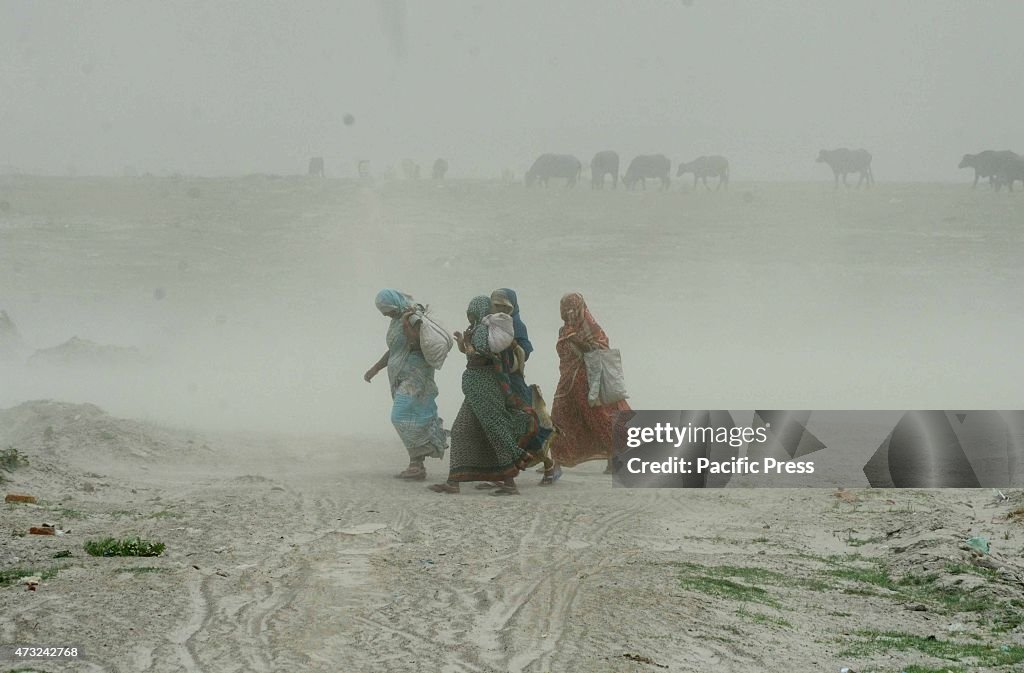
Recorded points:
(435, 342)
(501, 331)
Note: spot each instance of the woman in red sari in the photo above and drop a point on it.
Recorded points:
(584, 432)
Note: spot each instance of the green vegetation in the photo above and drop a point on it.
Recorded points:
(978, 654)
(131, 546)
(14, 574)
(760, 618)
(10, 460)
(142, 569)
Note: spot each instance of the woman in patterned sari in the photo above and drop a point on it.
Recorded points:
(584, 432)
(513, 363)
(414, 411)
(494, 426)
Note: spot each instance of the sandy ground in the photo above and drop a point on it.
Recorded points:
(237, 430)
(302, 554)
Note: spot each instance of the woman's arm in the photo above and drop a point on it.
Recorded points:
(375, 369)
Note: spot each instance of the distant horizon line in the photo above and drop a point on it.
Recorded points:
(386, 178)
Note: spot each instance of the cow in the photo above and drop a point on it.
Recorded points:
(410, 169)
(554, 166)
(986, 164)
(316, 167)
(704, 167)
(604, 163)
(647, 166)
(1010, 170)
(439, 170)
(843, 161)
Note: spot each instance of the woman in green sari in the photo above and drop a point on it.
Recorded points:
(493, 427)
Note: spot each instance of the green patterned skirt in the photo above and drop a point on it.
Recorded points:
(491, 430)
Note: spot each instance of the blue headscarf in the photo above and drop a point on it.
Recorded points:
(392, 300)
(522, 336)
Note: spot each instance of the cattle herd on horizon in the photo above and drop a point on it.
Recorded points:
(1001, 167)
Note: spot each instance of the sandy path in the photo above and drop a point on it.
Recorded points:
(317, 560)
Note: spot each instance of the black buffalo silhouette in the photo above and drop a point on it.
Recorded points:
(604, 163)
(647, 166)
(554, 166)
(843, 161)
(316, 167)
(1011, 170)
(440, 169)
(986, 164)
(705, 167)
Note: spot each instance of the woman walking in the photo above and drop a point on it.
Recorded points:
(414, 410)
(513, 363)
(494, 427)
(584, 432)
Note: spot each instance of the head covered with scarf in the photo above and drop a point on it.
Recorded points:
(507, 297)
(479, 307)
(579, 323)
(390, 301)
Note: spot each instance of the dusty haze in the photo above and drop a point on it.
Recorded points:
(229, 88)
(154, 204)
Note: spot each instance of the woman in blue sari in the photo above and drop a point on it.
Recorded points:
(414, 411)
(513, 363)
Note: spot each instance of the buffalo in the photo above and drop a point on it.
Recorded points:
(440, 169)
(316, 167)
(554, 166)
(986, 164)
(647, 166)
(705, 167)
(1011, 170)
(844, 161)
(604, 163)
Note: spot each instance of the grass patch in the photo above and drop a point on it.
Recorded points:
(123, 512)
(725, 588)
(978, 654)
(12, 575)
(915, 668)
(64, 553)
(10, 459)
(759, 618)
(141, 570)
(129, 546)
(69, 513)
(876, 576)
(970, 569)
(756, 575)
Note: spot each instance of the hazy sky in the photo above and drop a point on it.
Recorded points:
(221, 87)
